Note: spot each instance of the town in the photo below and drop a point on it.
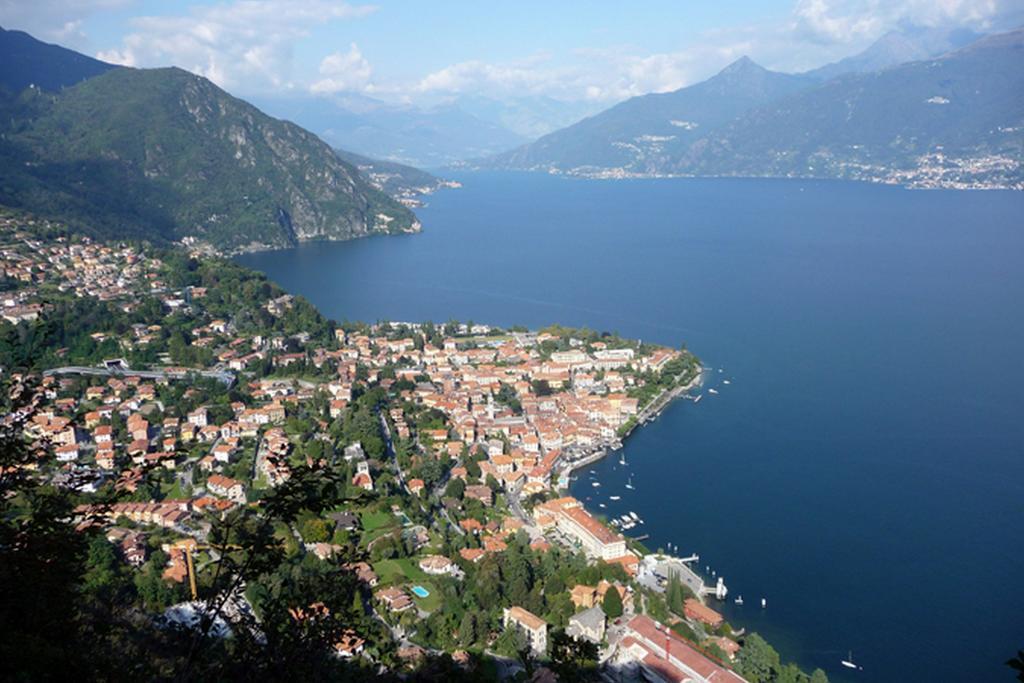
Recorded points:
(179, 394)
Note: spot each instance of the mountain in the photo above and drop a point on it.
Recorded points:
(908, 44)
(27, 61)
(642, 133)
(406, 134)
(957, 121)
(404, 183)
(163, 154)
(529, 117)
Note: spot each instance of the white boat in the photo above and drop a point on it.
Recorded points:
(848, 662)
(633, 516)
(699, 397)
(629, 483)
(712, 391)
(764, 603)
(739, 600)
(595, 483)
(625, 519)
(601, 505)
(614, 497)
(622, 458)
(719, 369)
(725, 381)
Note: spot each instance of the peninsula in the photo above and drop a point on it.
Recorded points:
(301, 496)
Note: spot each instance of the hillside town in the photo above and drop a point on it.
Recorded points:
(203, 391)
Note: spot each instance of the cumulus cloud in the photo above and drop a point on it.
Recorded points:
(55, 20)
(343, 71)
(599, 75)
(245, 44)
(849, 21)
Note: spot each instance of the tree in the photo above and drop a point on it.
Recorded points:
(818, 676)
(468, 629)
(758, 661)
(612, 603)
(456, 489)
(572, 660)
(1017, 664)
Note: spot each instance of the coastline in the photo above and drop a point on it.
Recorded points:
(650, 412)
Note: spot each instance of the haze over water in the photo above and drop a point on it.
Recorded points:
(864, 469)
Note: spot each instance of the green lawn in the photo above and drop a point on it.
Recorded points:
(375, 520)
(406, 572)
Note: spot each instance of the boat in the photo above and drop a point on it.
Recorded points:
(614, 497)
(712, 391)
(739, 600)
(848, 662)
(601, 505)
(625, 519)
(595, 483)
(699, 397)
(764, 603)
(725, 381)
(629, 483)
(622, 458)
(633, 516)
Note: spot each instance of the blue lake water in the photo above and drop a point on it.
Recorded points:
(864, 469)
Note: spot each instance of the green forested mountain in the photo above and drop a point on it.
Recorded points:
(163, 154)
(637, 134)
(394, 178)
(25, 61)
(956, 120)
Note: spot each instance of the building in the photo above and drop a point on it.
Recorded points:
(568, 515)
(530, 625)
(588, 625)
(229, 488)
(698, 611)
(653, 651)
(436, 564)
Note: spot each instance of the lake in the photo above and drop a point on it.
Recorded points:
(863, 470)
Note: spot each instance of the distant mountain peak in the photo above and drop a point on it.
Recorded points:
(743, 65)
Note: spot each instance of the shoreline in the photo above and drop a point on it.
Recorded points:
(649, 413)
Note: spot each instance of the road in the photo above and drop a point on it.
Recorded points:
(226, 378)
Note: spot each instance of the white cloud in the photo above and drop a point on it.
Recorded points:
(55, 20)
(244, 44)
(850, 21)
(343, 71)
(599, 75)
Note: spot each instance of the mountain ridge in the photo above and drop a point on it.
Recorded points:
(902, 124)
(163, 154)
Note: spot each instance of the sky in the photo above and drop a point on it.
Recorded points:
(425, 52)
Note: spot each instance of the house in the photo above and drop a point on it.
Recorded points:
(227, 487)
(583, 596)
(345, 521)
(436, 564)
(415, 485)
(530, 625)
(364, 572)
(363, 480)
(473, 555)
(66, 452)
(698, 611)
(395, 599)
(588, 625)
(349, 645)
(480, 492)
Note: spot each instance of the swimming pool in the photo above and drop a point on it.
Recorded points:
(420, 591)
